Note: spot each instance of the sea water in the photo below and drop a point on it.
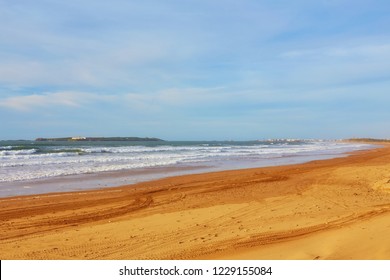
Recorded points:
(33, 167)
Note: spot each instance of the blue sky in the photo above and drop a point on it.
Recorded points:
(195, 70)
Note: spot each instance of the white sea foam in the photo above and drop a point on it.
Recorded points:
(18, 164)
(10, 152)
(6, 147)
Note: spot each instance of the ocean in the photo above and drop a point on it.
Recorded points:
(34, 167)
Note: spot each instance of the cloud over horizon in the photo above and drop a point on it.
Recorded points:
(157, 68)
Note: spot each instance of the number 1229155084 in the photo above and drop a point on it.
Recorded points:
(245, 270)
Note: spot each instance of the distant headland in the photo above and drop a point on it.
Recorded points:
(81, 138)
(373, 140)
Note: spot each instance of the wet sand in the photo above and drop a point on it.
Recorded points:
(329, 209)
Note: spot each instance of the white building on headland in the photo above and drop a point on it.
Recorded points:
(79, 138)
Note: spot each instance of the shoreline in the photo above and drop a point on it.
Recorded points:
(109, 179)
(252, 213)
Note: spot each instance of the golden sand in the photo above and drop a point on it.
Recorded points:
(330, 209)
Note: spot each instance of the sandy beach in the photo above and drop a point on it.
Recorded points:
(328, 209)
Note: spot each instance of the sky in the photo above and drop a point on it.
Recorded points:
(195, 69)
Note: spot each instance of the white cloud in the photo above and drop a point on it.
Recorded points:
(38, 101)
(352, 51)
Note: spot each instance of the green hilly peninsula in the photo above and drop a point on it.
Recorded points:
(79, 138)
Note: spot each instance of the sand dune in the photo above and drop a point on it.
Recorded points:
(331, 209)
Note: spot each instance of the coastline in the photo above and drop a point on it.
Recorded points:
(32, 170)
(284, 212)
